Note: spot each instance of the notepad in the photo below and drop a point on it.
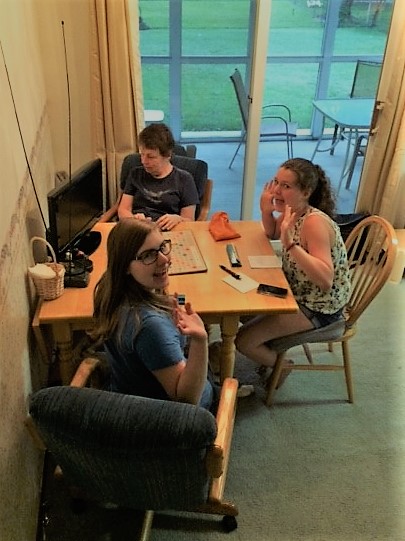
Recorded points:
(243, 285)
(264, 262)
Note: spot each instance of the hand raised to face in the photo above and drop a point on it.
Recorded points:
(267, 197)
(287, 226)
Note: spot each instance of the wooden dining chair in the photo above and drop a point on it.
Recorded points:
(371, 249)
(136, 452)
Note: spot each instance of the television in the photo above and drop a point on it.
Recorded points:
(73, 208)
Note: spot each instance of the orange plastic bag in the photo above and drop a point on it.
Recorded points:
(220, 227)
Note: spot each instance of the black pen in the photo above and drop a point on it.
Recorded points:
(229, 271)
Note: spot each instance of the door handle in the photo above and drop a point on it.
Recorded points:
(378, 106)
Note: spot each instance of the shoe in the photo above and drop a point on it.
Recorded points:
(284, 373)
(245, 390)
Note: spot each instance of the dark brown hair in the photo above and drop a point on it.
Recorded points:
(118, 288)
(313, 178)
(157, 137)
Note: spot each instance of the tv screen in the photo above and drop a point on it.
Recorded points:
(74, 206)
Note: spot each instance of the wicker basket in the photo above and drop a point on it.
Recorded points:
(48, 287)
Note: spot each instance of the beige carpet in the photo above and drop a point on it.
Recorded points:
(312, 467)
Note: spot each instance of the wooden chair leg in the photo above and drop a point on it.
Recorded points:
(274, 377)
(308, 353)
(146, 525)
(348, 371)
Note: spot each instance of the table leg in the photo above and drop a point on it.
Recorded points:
(63, 336)
(229, 327)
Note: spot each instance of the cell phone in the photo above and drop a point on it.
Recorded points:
(266, 289)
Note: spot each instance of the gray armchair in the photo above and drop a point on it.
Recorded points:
(137, 452)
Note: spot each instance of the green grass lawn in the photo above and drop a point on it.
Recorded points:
(219, 28)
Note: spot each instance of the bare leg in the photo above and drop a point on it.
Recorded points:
(252, 336)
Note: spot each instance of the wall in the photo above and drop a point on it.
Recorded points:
(30, 34)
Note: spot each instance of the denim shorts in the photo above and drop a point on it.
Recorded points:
(318, 319)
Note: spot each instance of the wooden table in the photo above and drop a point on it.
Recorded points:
(211, 297)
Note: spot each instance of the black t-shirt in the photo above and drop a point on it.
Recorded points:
(156, 197)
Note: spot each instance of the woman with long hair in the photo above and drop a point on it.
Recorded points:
(297, 207)
(144, 330)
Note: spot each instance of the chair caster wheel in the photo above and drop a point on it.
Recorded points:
(229, 523)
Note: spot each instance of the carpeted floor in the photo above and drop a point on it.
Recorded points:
(311, 468)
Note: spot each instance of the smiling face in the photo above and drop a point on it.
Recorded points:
(155, 275)
(287, 192)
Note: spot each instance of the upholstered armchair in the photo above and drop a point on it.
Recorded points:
(138, 452)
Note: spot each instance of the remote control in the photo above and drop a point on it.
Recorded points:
(233, 255)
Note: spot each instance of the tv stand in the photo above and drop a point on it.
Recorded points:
(76, 271)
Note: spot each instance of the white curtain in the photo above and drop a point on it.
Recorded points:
(382, 189)
(116, 84)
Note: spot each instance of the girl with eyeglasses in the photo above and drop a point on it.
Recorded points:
(145, 331)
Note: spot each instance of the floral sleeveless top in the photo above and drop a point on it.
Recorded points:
(305, 291)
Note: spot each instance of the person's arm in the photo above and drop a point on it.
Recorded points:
(125, 206)
(271, 225)
(185, 381)
(314, 257)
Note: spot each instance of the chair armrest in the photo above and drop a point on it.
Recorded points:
(34, 433)
(84, 371)
(218, 456)
(205, 204)
(282, 106)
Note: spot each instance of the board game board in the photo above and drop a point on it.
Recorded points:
(186, 255)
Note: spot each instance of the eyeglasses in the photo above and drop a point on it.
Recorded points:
(150, 256)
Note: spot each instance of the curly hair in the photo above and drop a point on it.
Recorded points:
(313, 178)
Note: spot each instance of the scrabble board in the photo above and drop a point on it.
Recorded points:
(186, 255)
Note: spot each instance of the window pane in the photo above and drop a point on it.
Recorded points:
(216, 108)
(363, 27)
(155, 81)
(296, 28)
(215, 28)
(154, 27)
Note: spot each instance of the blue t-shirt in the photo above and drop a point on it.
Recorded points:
(155, 197)
(133, 358)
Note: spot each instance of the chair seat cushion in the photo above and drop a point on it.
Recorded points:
(328, 333)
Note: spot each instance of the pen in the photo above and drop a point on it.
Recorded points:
(237, 276)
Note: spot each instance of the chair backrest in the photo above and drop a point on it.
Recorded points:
(187, 150)
(137, 452)
(371, 249)
(241, 96)
(366, 79)
(197, 168)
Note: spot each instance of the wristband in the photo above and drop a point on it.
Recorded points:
(290, 246)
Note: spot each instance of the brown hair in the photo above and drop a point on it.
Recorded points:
(118, 288)
(157, 137)
(313, 178)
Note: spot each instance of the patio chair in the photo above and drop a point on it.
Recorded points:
(365, 84)
(371, 248)
(135, 452)
(278, 124)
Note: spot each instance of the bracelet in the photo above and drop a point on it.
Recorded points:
(290, 246)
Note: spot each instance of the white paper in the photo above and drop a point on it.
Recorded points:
(243, 285)
(264, 262)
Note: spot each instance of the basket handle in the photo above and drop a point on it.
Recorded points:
(33, 239)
